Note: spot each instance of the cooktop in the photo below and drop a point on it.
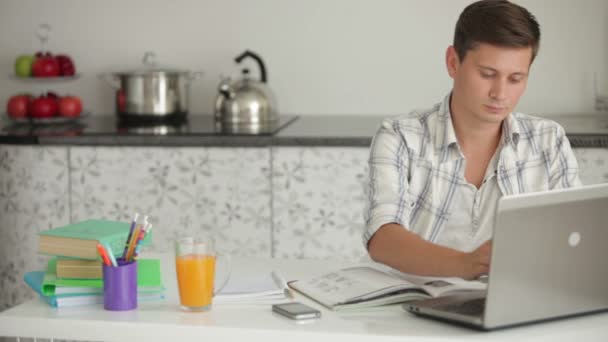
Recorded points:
(194, 124)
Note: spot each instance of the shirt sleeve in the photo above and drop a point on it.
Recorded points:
(563, 170)
(388, 183)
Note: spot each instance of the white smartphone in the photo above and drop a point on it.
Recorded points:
(296, 310)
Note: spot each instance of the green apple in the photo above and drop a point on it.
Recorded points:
(23, 65)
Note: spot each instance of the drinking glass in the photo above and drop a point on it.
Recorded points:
(195, 265)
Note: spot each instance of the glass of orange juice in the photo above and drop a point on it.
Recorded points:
(195, 263)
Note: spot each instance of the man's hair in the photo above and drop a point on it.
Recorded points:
(496, 22)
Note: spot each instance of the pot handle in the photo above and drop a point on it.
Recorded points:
(193, 76)
(110, 79)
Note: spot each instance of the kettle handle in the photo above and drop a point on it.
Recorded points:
(258, 59)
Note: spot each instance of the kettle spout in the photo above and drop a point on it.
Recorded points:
(226, 89)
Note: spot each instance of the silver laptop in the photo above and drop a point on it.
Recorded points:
(549, 260)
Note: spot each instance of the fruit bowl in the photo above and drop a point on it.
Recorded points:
(49, 121)
(45, 79)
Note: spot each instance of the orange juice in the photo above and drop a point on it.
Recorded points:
(195, 274)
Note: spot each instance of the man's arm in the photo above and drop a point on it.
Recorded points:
(407, 252)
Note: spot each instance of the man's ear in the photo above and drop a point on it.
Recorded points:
(452, 61)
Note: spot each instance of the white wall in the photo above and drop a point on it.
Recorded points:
(324, 56)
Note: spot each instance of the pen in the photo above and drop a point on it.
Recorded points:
(135, 238)
(103, 254)
(144, 231)
(142, 236)
(133, 223)
(281, 281)
(131, 245)
(110, 254)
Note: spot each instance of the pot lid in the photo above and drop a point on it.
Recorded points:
(151, 66)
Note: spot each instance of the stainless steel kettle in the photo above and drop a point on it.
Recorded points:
(246, 101)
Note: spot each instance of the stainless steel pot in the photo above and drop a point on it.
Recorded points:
(152, 92)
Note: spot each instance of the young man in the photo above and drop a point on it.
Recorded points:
(436, 175)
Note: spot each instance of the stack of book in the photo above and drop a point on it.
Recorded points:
(73, 276)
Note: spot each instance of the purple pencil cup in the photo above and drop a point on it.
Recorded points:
(120, 286)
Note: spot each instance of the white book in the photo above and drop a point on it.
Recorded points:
(251, 286)
(369, 286)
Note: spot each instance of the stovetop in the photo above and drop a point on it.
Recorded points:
(195, 124)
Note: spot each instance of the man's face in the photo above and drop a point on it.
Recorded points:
(489, 81)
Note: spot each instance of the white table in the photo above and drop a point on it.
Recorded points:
(163, 321)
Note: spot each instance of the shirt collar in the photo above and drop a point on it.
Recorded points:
(445, 136)
(510, 131)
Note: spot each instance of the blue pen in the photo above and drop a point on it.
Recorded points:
(133, 223)
(110, 254)
(145, 231)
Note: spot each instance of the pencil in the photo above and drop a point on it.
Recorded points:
(133, 224)
(131, 245)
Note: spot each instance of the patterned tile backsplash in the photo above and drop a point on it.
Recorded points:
(318, 197)
(224, 192)
(34, 187)
(282, 202)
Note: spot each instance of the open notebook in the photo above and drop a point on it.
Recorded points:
(252, 285)
(255, 283)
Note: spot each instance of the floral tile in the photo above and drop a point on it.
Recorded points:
(318, 200)
(224, 192)
(34, 196)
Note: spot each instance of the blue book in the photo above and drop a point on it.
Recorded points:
(35, 279)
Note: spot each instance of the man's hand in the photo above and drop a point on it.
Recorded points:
(477, 262)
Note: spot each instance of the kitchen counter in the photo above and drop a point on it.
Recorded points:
(307, 130)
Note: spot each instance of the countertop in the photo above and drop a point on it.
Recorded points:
(164, 321)
(583, 130)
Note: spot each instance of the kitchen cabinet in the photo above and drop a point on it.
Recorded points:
(224, 192)
(34, 196)
(318, 199)
(593, 164)
(269, 201)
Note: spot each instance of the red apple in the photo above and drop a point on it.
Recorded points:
(45, 66)
(44, 107)
(43, 53)
(66, 65)
(70, 106)
(121, 101)
(18, 106)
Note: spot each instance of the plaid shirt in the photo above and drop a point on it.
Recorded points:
(416, 175)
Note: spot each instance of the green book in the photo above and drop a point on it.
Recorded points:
(79, 240)
(148, 280)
